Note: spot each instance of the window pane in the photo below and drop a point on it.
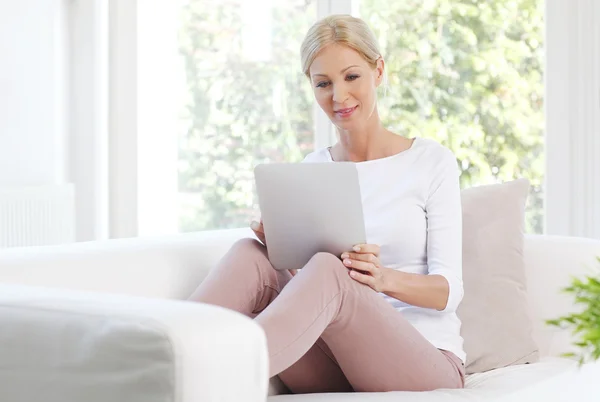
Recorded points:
(470, 75)
(246, 102)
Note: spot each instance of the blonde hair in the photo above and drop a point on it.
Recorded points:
(342, 29)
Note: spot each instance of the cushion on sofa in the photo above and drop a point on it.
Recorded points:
(496, 324)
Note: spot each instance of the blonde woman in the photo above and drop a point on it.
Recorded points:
(382, 316)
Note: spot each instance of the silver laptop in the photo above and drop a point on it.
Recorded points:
(308, 208)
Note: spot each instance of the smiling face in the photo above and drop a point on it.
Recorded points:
(345, 86)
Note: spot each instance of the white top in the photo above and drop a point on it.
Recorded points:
(412, 210)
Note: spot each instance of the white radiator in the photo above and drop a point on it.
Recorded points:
(37, 216)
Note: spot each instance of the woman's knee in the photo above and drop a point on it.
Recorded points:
(245, 251)
(327, 258)
(248, 245)
(327, 263)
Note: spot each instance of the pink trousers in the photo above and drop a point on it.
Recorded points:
(325, 331)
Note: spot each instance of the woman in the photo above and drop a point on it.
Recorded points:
(380, 317)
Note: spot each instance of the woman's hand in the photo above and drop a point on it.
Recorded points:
(259, 231)
(365, 267)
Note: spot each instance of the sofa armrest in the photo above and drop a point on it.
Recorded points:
(72, 346)
(158, 266)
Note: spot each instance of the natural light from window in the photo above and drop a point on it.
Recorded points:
(221, 90)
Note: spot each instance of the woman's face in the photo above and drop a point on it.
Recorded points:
(345, 85)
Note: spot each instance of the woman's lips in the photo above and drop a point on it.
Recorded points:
(347, 112)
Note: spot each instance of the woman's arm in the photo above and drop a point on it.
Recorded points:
(429, 291)
(442, 287)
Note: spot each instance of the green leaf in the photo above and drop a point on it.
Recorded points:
(585, 324)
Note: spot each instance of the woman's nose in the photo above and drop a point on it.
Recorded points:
(340, 93)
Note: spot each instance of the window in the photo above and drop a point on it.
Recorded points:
(468, 74)
(220, 90)
(241, 100)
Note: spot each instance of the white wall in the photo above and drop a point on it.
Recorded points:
(572, 81)
(33, 92)
(53, 86)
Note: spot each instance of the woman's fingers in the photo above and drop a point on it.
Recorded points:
(367, 249)
(362, 278)
(260, 237)
(257, 226)
(360, 265)
(361, 257)
(258, 230)
(364, 265)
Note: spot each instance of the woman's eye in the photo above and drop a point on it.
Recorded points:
(322, 84)
(352, 77)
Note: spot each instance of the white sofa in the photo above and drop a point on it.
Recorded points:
(102, 322)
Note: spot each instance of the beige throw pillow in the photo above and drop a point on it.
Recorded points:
(496, 325)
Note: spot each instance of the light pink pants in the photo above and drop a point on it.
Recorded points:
(325, 331)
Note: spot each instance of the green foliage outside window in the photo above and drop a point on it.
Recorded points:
(466, 73)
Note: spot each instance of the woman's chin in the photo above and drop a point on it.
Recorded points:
(346, 125)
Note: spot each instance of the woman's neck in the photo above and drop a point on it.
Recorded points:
(361, 146)
(371, 141)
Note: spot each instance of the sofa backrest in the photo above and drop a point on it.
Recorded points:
(172, 266)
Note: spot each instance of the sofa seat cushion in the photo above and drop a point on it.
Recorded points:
(479, 387)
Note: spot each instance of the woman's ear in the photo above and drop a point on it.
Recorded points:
(380, 71)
